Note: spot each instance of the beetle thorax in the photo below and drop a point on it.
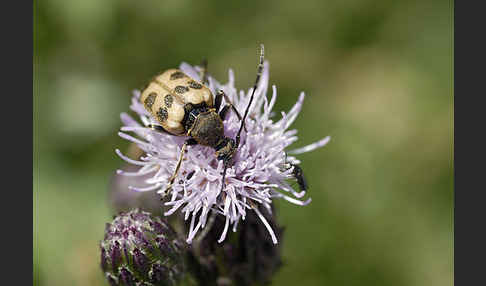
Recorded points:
(208, 129)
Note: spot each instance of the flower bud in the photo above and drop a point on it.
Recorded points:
(139, 249)
(248, 256)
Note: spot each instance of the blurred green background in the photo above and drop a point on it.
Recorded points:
(378, 78)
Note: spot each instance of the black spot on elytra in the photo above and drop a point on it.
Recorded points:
(149, 101)
(168, 99)
(195, 85)
(181, 89)
(162, 114)
(177, 75)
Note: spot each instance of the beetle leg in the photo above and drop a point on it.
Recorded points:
(172, 178)
(218, 99)
(228, 101)
(223, 111)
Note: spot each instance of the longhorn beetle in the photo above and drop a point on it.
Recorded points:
(185, 107)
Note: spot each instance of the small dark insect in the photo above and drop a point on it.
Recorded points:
(185, 107)
(297, 173)
(299, 176)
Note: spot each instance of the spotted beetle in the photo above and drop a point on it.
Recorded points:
(184, 106)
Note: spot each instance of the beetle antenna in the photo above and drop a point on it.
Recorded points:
(259, 73)
(237, 141)
(224, 176)
(204, 76)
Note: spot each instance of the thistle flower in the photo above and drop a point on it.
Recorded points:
(258, 173)
(139, 249)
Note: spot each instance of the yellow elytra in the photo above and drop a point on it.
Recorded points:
(167, 94)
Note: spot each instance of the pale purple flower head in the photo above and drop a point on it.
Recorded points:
(260, 169)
